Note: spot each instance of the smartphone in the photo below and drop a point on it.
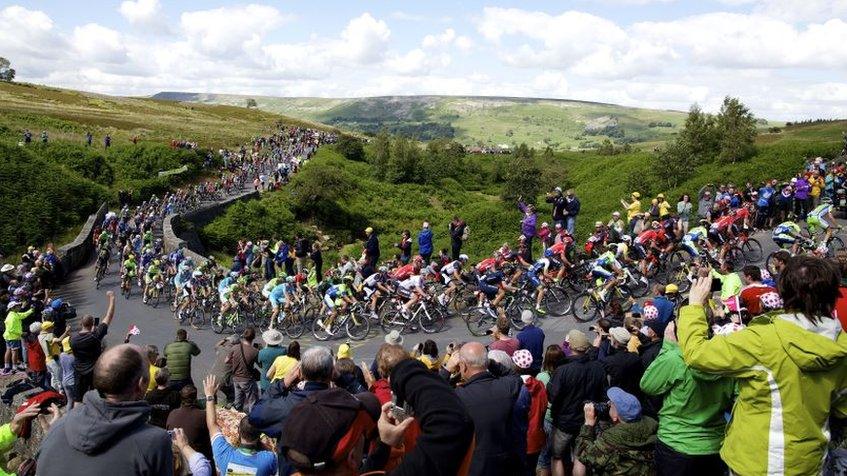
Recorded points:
(96, 321)
(398, 413)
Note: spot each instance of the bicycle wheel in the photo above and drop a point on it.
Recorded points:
(461, 300)
(293, 326)
(557, 302)
(357, 326)
(218, 324)
(197, 319)
(485, 318)
(319, 332)
(431, 320)
(585, 308)
(735, 258)
(638, 284)
(752, 250)
(154, 299)
(516, 308)
(836, 245)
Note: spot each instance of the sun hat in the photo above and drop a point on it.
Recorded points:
(272, 337)
(577, 340)
(522, 358)
(13, 304)
(620, 335)
(671, 289)
(628, 407)
(527, 317)
(369, 230)
(394, 338)
(636, 195)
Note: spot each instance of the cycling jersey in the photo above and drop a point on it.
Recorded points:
(603, 266)
(403, 272)
(696, 234)
(277, 294)
(490, 283)
(412, 283)
(373, 280)
(451, 267)
(337, 290)
(821, 210)
(267, 288)
(131, 267)
(651, 236)
(485, 264)
(788, 227)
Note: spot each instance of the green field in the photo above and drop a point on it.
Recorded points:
(473, 121)
(51, 189)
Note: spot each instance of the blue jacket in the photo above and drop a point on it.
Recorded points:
(531, 338)
(425, 241)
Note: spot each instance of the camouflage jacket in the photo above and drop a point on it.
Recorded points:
(622, 449)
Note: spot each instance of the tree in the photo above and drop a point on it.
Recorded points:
(381, 153)
(523, 177)
(736, 128)
(251, 103)
(351, 148)
(671, 165)
(699, 136)
(7, 73)
(404, 161)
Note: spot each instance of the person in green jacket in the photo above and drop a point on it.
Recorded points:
(178, 355)
(691, 421)
(9, 434)
(791, 370)
(12, 335)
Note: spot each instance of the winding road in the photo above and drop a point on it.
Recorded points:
(158, 326)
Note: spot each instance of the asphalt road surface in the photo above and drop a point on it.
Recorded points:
(158, 326)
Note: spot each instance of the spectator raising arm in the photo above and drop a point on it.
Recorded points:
(210, 386)
(110, 311)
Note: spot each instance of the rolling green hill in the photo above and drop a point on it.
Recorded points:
(472, 121)
(49, 190)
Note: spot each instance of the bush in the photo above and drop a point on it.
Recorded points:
(39, 199)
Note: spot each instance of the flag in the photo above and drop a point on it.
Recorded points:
(134, 330)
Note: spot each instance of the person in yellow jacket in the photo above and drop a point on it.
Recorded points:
(633, 209)
(10, 431)
(791, 370)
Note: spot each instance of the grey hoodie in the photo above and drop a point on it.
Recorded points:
(106, 438)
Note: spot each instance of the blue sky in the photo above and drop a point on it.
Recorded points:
(784, 58)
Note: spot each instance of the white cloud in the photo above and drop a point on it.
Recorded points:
(366, 38)
(227, 31)
(442, 39)
(28, 33)
(97, 43)
(143, 13)
(417, 62)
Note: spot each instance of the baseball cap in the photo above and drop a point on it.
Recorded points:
(46, 325)
(620, 335)
(628, 407)
(671, 289)
(323, 429)
(577, 340)
(56, 303)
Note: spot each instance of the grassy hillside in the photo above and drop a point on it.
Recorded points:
(478, 121)
(361, 199)
(50, 189)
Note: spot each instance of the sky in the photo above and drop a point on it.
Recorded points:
(785, 59)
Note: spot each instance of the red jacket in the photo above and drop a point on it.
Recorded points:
(841, 307)
(535, 436)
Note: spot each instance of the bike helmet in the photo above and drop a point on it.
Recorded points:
(233, 274)
(826, 200)
(383, 269)
(704, 222)
(626, 239)
(650, 312)
(289, 279)
(463, 257)
(197, 273)
(347, 278)
(655, 224)
(156, 262)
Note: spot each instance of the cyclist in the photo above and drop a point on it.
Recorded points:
(183, 275)
(695, 237)
(821, 217)
(231, 291)
(411, 289)
(376, 286)
(652, 240)
(451, 274)
(338, 294)
(103, 259)
(606, 267)
(788, 233)
(493, 285)
(281, 294)
(152, 277)
(536, 276)
(130, 268)
(558, 256)
(189, 290)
